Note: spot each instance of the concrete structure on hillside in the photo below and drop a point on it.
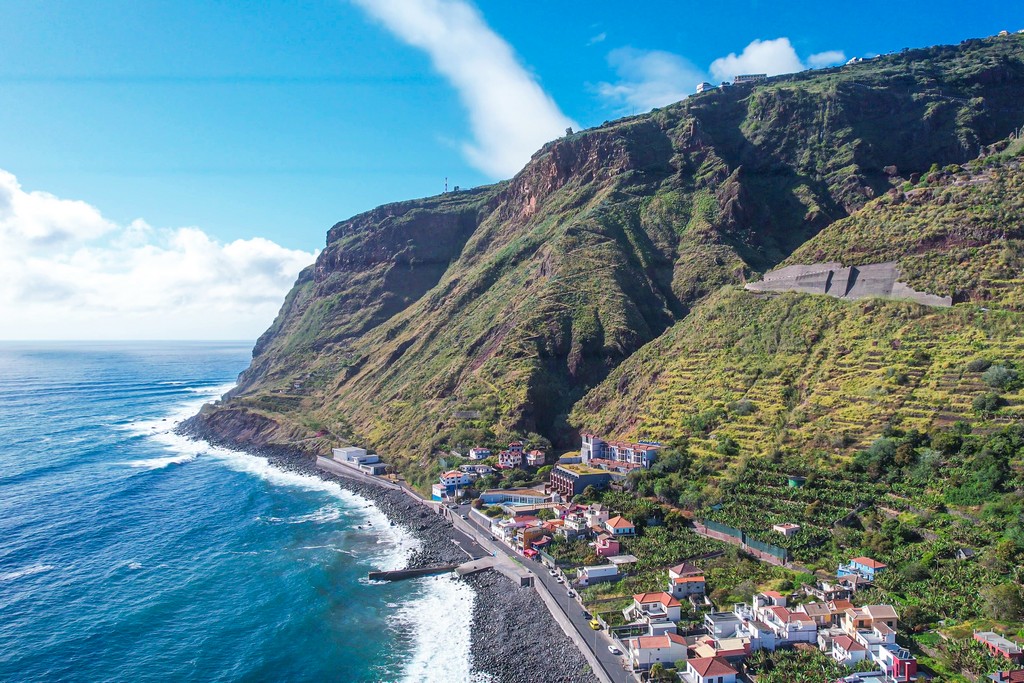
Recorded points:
(514, 496)
(704, 87)
(570, 480)
(749, 79)
(855, 282)
(617, 456)
(358, 459)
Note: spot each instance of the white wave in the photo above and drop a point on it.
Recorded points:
(397, 544)
(340, 551)
(172, 382)
(160, 463)
(26, 571)
(440, 620)
(328, 513)
(134, 566)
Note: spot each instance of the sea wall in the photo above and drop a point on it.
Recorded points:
(854, 282)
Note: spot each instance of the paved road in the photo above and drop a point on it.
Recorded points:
(572, 613)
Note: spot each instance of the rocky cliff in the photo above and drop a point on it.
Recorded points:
(509, 303)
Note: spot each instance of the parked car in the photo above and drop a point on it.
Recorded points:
(552, 572)
(595, 624)
(614, 650)
(587, 615)
(571, 593)
(560, 579)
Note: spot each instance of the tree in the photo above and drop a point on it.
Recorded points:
(544, 514)
(999, 377)
(1002, 602)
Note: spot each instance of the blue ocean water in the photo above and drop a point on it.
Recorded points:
(128, 553)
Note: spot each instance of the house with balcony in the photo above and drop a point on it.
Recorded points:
(535, 458)
(847, 651)
(510, 459)
(658, 611)
(864, 567)
(617, 456)
(665, 649)
(685, 580)
(479, 453)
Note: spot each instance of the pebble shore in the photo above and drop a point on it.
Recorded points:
(515, 638)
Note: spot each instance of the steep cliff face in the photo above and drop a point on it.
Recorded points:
(476, 315)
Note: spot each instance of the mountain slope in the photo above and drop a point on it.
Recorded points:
(474, 316)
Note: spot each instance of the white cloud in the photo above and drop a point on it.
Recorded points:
(772, 57)
(68, 273)
(828, 58)
(510, 114)
(649, 78)
(599, 38)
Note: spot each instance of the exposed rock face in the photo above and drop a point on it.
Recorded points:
(855, 282)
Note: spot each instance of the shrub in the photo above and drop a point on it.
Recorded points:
(999, 377)
(986, 405)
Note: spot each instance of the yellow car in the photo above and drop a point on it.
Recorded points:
(595, 624)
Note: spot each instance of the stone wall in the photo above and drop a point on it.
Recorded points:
(855, 282)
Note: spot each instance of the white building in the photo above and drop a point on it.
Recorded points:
(510, 459)
(588, 576)
(479, 453)
(666, 649)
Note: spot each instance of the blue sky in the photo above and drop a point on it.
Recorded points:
(259, 125)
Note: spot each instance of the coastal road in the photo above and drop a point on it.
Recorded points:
(570, 614)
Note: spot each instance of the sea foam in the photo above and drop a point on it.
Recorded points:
(26, 571)
(441, 621)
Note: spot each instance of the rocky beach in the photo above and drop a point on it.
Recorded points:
(515, 639)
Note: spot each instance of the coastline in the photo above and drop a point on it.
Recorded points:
(515, 639)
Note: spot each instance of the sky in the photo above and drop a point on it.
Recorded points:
(168, 167)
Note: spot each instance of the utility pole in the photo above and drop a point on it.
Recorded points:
(446, 184)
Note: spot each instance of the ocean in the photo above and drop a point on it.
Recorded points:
(128, 553)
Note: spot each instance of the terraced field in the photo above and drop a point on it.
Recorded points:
(821, 378)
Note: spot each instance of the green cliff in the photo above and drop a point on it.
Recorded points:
(598, 286)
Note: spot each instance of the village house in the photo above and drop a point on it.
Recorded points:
(998, 646)
(709, 670)
(479, 453)
(646, 651)
(510, 459)
(1014, 676)
(685, 580)
(535, 458)
(864, 567)
(606, 546)
(588, 576)
(659, 611)
(704, 86)
(620, 526)
(597, 514)
(848, 651)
